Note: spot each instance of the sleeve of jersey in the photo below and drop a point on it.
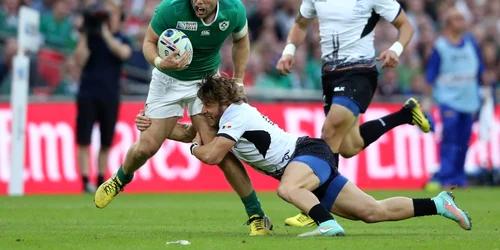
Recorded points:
(241, 28)
(159, 20)
(307, 9)
(232, 125)
(388, 9)
(432, 67)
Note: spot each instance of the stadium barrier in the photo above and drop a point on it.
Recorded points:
(401, 159)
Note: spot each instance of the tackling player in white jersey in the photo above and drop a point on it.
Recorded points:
(306, 167)
(349, 72)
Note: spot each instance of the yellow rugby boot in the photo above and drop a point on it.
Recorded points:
(107, 191)
(259, 225)
(300, 220)
(418, 117)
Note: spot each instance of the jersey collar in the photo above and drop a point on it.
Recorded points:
(215, 18)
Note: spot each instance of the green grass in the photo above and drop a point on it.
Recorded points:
(216, 221)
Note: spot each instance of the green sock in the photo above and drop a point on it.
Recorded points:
(124, 178)
(252, 204)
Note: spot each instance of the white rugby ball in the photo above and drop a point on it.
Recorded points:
(172, 39)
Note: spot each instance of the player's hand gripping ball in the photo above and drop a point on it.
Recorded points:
(171, 40)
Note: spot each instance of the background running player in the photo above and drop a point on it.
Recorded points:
(349, 71)
(173, 87)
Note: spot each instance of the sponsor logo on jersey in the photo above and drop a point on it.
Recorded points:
(191, 26)
(227, 126)
(223, 25)
(338, 89)
(286, 156)
(205, 33)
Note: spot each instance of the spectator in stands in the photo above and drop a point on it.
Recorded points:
(389, 84)
(71, 81)
(9, 17)
(56, 27)
(138, 72)
(101, 51)
(267, 20)
(256, 19)
(9, 50)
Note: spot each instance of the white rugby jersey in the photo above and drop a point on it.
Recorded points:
(347, 28)
(259, 142)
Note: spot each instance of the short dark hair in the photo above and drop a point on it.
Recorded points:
(219, 89)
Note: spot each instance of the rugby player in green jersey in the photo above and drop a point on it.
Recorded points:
(173, 88)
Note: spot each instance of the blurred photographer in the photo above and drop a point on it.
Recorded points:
(100, 53)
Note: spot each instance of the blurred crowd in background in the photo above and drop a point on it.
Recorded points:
(53, 70)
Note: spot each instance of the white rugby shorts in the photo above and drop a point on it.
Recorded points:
(167, 97)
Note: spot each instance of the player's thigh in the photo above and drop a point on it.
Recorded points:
(300, 173)
(165, 97)
(201, 125)
(85, 118)
(108, 116)
(352, 143)
(351, 88)
(352, 202)
(151, 139)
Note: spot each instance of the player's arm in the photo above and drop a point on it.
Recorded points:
(182, 132)
(296, 36)
(213, 152)
(149, 46)
(241, 52)
(394, 13)
(405, 29)
(298, 31)
(158, 24)
(232, 126)
(241, 46)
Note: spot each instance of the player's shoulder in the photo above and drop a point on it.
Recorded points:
(175, 7)
(241, 111)
(236, 109)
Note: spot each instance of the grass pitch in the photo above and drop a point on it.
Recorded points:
(216, 221)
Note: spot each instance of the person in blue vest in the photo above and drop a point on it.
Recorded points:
(453, 73)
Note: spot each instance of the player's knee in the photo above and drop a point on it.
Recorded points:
(146, 148)
(285, 191)
(335, 124)
(331, 126)
(372, 213)
(350, 151)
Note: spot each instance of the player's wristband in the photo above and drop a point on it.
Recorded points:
(194, 145)
(398, 48)
(289, 49)
(157, 62)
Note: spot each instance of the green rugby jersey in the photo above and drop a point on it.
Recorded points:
(206, 39)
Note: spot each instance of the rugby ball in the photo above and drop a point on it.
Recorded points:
(172, 39)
